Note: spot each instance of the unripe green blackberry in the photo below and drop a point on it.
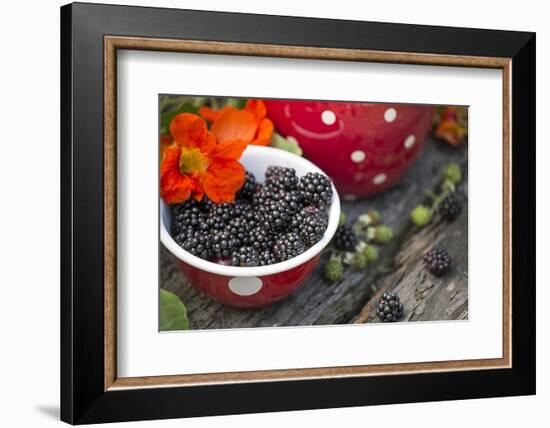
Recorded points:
(452, 173)
(383, 234)
(421, 215)
(334, 269)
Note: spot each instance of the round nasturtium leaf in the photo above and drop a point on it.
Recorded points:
(173, 314)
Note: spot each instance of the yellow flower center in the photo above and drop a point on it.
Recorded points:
(192, 161)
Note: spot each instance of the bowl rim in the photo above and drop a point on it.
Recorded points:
(237, 271)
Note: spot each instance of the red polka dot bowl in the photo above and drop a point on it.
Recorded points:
(364, 148)
(253, 287)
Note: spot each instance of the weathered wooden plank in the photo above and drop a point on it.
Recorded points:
(318, 302)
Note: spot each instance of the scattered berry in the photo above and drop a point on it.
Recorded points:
(452, 173)
(389, 308)
(371, 253)
(421, 215)
(450, 208)
(344, 238)
(382, 234)
(359, 260)
(437, 261)
(334, 269)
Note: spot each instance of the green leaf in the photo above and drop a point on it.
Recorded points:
(280, 142)
(166, 117)
(173, 314)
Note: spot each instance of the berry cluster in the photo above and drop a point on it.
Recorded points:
(437, 261)
(389, 308)
(269, 222)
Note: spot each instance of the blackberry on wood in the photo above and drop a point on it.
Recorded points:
(344, 238)
(315, 188)
(450, 208)
(437, 261)
(288, 246)
(389, 308)
(246, 256)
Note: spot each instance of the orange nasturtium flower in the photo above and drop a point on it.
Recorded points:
(196, 164)
(248, 124)
(449, 128)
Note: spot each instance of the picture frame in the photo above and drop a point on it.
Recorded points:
(91, 35)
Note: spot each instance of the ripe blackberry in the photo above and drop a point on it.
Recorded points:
(280, 178)
(450, 208)
(345, 239)
(219, 216)
(274, 216)
(288, 246)
(248, 188)
(187, 217)
(246, 256)
(223, 243)
(311, 223)
(239, 231)
(260, 239)
(198, 244)
(315, 188)
(267, 258)
(437, 261)
(263, 195)
(389, 308)
(293, 200)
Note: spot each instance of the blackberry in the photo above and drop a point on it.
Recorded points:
(246, 256)
(267, 258)
(389, 308)
(437, 261)
(315, 188)
(288, 246)
(344, 238)
(187, 217)
(274, 215)
(293, 199)
(450, 208)
(260, 239)
(223, 244)
(263, 195)
(199, 244)
(248, 188)
(311, 223)
(219, 216)
(239, 231)
(279, 178)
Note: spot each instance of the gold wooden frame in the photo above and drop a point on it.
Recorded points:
(112, 43)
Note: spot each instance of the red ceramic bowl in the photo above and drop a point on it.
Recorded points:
(364, 148)
(253, 287)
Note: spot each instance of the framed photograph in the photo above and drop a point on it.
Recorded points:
(266, 213)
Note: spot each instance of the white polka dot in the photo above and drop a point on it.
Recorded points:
(292, 140)
(350, 197)
(379, 179)
(358, 156)
(409, 141)
(390, 115)
(328, 117)
(245, 286)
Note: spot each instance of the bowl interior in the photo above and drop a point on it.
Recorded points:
(256, 159)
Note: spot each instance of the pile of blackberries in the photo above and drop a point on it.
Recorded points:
(268, 223)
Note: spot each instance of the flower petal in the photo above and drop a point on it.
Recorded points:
(209, 114)
(188, 129)
(257, 108)
(223, 179)
(174, 187)
(265, 132)
(229, 150)
(234, 124)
